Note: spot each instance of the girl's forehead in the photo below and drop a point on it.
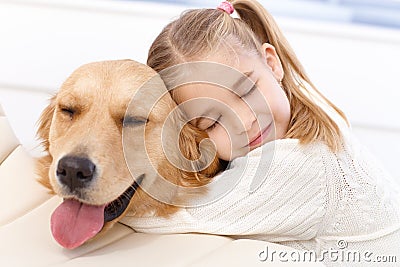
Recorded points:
(224, 84)
(200, 90)
(238, 58)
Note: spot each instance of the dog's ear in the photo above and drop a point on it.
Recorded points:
(206, 160)
(43, 163)
(45, 122)
(42, 170)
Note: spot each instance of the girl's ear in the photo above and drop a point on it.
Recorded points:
(273, 61)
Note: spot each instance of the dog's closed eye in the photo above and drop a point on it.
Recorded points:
(134, 121)
(69, 111)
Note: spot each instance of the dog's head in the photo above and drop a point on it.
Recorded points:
(82, 133)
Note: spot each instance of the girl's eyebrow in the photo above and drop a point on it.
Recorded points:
(243, 78)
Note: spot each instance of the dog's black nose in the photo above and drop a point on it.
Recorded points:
(75, 172)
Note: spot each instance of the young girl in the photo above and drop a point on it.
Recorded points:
(320, 191)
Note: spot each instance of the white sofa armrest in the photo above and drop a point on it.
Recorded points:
(8, 140)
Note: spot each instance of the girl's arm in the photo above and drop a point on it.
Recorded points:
(277, 191)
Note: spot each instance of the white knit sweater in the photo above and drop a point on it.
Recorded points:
(308, 198)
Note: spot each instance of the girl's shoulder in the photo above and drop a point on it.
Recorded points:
(289, 146)
(283, 160)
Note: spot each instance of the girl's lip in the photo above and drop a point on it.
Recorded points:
(260, 137)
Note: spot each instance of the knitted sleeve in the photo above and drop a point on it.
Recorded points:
(278, 194)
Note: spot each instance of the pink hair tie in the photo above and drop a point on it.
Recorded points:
(226, 6)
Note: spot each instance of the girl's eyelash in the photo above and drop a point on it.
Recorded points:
(212, 126)
(250, 91)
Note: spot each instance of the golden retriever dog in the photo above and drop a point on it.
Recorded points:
(82, 133)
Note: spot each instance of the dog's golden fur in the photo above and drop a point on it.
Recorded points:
(86, 118)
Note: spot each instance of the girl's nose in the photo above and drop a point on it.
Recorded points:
(247, 118)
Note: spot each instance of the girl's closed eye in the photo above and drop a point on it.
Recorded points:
(211, 127)
(208, 124)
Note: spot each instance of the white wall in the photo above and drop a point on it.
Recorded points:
(42, 42)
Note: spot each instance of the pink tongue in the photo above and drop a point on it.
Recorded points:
(73, 223)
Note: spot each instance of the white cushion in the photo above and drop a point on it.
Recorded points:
(20, 191)
(28, 242)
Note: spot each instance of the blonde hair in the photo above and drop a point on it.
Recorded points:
(197, 33)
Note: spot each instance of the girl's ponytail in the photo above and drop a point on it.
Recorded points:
(308, 120)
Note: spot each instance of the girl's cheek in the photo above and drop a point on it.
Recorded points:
(222, 143)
